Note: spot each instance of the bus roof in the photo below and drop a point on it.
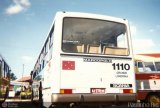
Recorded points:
(90, 15)
(140, 57)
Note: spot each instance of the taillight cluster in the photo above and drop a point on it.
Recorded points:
(65, 91)
(127, 90)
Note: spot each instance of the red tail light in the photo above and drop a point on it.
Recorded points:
(127, 90)
(65, 91)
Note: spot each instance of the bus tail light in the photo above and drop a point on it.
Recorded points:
(127, 90)
(65, 91)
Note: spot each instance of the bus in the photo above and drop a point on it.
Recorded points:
(148, 79)
(4, 79)
(86, 58)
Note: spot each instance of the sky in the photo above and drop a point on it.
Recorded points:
(24, 25)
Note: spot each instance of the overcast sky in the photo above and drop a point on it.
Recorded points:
(24, 25)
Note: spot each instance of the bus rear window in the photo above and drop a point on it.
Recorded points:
(81, 35)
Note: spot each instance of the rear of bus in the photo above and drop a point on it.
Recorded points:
(96, 63)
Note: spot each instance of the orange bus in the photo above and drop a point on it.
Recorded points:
(148, 78)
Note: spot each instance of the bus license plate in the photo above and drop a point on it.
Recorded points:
(98, 90)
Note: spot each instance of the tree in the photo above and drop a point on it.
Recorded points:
(12, 76)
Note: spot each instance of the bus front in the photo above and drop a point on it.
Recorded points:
(96, 60)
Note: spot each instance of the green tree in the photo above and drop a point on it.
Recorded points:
(12, 76)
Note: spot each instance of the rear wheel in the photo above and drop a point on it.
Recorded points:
(32, 95)
(40, 96)
(4, 96)
(153, 99)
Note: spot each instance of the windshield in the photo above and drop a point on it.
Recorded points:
(82, 35)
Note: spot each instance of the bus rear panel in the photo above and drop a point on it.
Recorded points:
(96, 62)
(86, 58)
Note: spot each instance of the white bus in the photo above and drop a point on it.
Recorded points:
(86, 58)
(5, 71)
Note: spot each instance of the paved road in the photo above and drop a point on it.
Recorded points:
(18, 103)
(28, 104)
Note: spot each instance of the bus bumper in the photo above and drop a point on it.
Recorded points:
(64, 98)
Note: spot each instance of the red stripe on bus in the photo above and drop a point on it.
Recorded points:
(147, 76)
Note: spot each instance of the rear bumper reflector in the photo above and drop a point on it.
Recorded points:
(68, 65)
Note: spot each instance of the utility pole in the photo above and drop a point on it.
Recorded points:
(23, 71)
(22, 79)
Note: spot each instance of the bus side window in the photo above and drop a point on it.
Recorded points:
(0, 68)
(157, 64)
(51, 36)
(34, 75)
(136, 67)
(149, 66)
(140, 67)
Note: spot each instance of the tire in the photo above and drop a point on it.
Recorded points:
(32, 96)
(40, 96)
(5, 97)
(153, 99)
(6, 94)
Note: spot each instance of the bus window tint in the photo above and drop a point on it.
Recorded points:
(51, 36)
(149, 66)
(140, 67)
(82, 35)
(157, 64)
